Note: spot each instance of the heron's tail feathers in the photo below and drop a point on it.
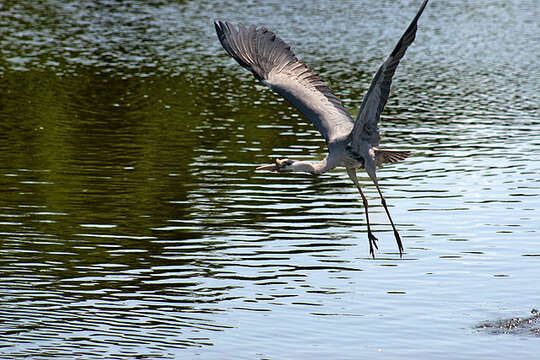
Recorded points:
(390, 156)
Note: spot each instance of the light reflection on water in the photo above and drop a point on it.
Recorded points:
(133, 224)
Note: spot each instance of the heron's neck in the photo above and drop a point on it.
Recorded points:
(313, 167)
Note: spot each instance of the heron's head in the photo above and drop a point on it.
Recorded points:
(281, 165)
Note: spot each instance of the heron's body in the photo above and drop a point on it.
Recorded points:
(352, 144)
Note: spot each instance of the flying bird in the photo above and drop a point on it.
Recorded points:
(352, 144)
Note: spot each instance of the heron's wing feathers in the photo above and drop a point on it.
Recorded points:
(273, 62)
(366, 126)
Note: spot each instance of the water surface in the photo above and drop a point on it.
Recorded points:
(133, 224)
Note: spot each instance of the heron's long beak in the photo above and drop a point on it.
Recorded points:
(269, 167)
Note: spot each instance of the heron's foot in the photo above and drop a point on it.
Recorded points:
(399, 243)
(372, 243)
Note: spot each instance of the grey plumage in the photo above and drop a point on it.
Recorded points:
(273, 62)
(366, 127)
(352, 144)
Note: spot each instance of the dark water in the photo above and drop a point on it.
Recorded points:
(133, 224)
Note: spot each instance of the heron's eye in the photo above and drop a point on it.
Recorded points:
(280, 163)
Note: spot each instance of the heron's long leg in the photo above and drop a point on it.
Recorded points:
(396, 234)
(372, 239)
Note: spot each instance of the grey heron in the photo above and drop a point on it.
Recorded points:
(352, 144)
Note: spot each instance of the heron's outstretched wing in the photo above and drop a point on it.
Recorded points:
(366, 126)
(273, 62)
